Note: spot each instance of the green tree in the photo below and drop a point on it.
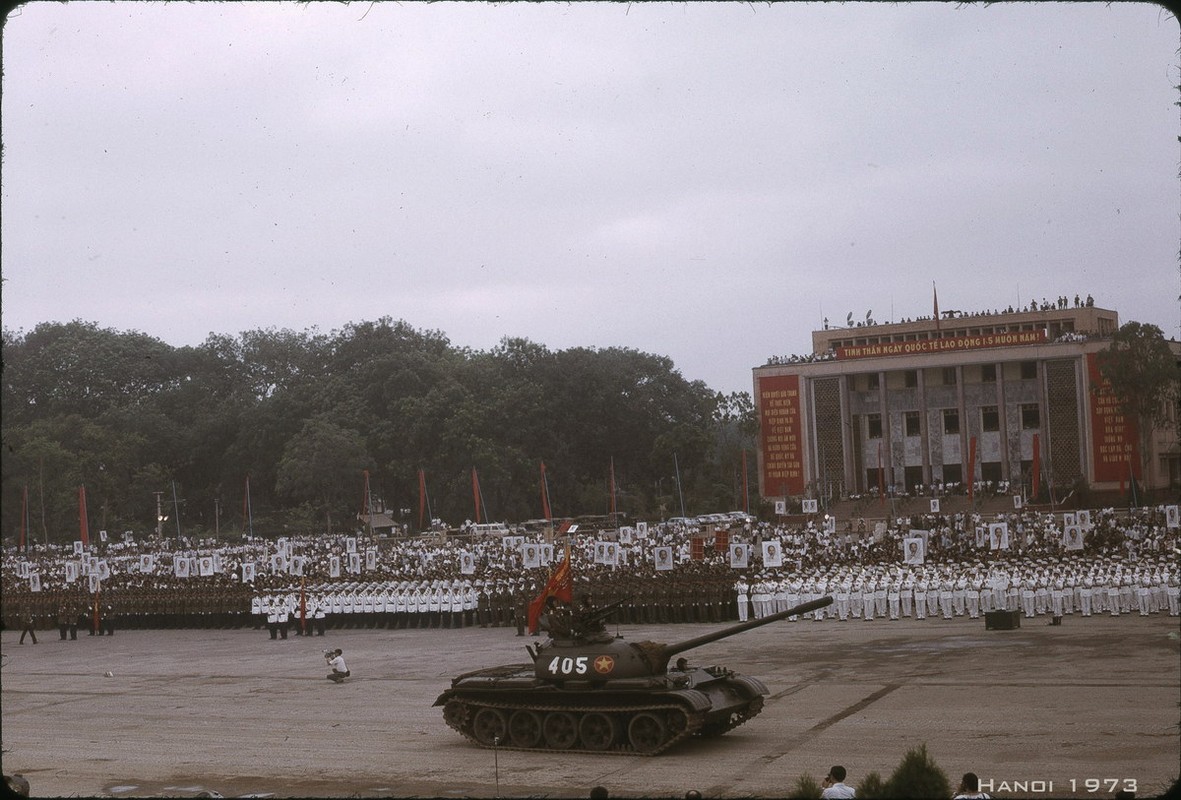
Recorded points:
(323, 464)
(917, 777)
(1145, 378)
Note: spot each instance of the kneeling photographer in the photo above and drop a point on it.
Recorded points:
(335, 659)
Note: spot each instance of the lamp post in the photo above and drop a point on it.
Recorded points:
(160, 515)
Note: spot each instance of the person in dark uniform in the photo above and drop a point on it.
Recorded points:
(63, 620)
(27, 623)
(108, 620)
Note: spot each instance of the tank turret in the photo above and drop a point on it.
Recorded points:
(587, 690)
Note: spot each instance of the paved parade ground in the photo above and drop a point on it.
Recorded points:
(235, 713)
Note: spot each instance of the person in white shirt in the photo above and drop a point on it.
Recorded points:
(834, 785)
(970, 788)
(336, 661)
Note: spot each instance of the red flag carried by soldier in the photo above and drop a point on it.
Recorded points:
(559, 585)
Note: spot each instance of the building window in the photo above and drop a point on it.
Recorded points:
(913, 426)
(1028, 370)
(910, 378)
(871, 381)
(875, 425)
(951, 420)
(949, 376)
(988, 373)
(1031, 418)
(990, 420)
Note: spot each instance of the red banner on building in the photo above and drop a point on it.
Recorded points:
(923, 346)
(781, 432)
(1115, 437)
(722, 542)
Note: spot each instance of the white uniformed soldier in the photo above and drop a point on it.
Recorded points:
(867, 598)
(1027, 594)
(271, 604)
(894, 596)
(906, 593)
(319, 614)
(959, 595)
(1173, 592)
(742, 589)
(920, 595)
(842, 597)
(283, 614)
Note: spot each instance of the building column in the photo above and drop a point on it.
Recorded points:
(851, 482)
(1003, 420)
(924, 434)
(884, 410)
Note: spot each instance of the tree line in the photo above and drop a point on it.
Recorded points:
(304, 414)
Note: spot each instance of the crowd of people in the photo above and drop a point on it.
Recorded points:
(956, 566)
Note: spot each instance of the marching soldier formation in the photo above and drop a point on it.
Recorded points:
(1125, 565)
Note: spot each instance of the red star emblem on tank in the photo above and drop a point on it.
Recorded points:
(604, 664)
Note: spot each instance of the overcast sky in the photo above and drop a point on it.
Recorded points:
(702, 181)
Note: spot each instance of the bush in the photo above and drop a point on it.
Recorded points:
(918, 776)
(871, 787)
(806, 788)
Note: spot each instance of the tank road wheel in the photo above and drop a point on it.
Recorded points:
(647, 732)
(598, 731)
(560, 730)
(489, 727)
(524, 728)
(455, 714)
(676, 721)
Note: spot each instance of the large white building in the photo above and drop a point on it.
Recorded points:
(987, 397)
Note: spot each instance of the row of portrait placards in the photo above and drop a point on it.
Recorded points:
(914, 545)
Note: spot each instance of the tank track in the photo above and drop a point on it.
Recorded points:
(736, 719)
(678, 724)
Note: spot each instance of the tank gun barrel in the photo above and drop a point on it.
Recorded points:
(689, 644)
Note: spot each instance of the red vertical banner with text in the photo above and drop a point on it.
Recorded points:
(1115, 439)
(781, 433)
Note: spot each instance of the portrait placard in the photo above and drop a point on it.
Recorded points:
(913, 550)
(772, 553)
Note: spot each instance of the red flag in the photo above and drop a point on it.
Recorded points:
(881, 477)
(559, 585)
(421, 497)
(612, 506)
(303, 602)
(545, 509)
(476, 494)
(935, 294)
(745, 486)
(365, 509)
(971, 468)
(247, 512)
(23, 543)
(1037, 466)
(83, 520)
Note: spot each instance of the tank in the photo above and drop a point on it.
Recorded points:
(589, 691)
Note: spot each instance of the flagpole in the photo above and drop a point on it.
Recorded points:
(176, 510)
(680, 492)
(24, 540)
(249, 508)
